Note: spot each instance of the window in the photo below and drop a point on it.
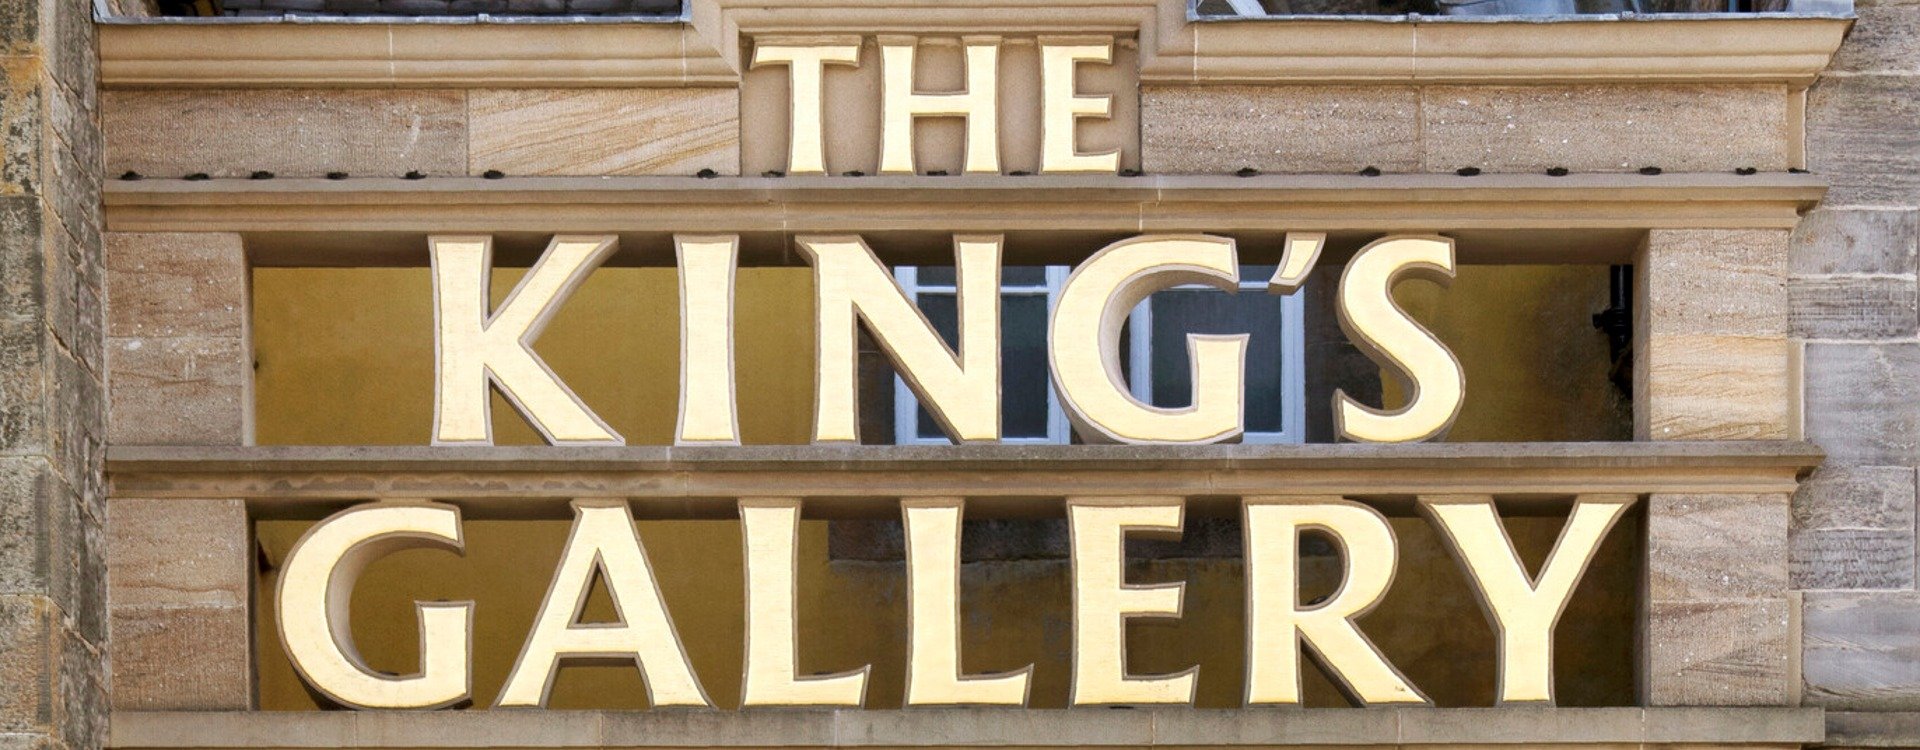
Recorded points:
(1153, 350)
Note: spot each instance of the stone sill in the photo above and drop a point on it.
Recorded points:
(1177, 727)
(998, 480)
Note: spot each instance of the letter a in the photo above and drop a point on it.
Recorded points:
(473, 348)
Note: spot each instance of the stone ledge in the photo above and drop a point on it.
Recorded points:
(1379, 727)
(1008, 481)
(1873, 729)
(1532, 218)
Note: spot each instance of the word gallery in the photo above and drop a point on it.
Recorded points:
(317, 581)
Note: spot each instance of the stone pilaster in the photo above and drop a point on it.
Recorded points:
(180, 365)
(53, 624)
(1713, 362)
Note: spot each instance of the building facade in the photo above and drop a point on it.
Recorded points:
(1676, 316)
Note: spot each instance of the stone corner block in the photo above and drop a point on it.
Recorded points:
(1859, 649)
(1853, 528)
(176, 284)
(1716, 547)
(178, 553)
(179, 391)
(1724, 653)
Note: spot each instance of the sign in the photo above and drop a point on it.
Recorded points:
(317, 581)
(479, 347)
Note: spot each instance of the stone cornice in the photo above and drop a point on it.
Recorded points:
(703, 49)
(378, 221)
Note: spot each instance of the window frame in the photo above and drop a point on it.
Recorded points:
(906, 404)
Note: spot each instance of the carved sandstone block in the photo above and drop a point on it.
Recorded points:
(1604, 128)
(179, 391)
(1711, 318)
(181, 658)
(1860, 133)
(605, 131)
(162, 285)
(1728, 653)
(292, 133)
(1855, 240)
(1292, 129)
(1716, 547)
(1861, 650)
(1853, 307)
(1853, 528)
(1859, 402)
(178, 553)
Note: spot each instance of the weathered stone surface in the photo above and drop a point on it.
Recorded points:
(1711, 318)
(1853, 528)
(1288, 129)
(179, 391)
(1860, 403)
(1604, 128)
(1855, 240)
(24, 126)
(292, 133)
(1734, 653)
(163, 285)
(1861, 649)
(52, 582)
(181, 658)
(29, 629)
(605, 131)
(1853, 307)
(179, 553)
(1863, 133)
(1705, 387)
(1716, 547)
(1710, 281)
(1883, 40)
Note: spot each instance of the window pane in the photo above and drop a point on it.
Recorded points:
(1023, 276)
(936, 276)
(1023, 363)
(1177, 313)
(1027, 276)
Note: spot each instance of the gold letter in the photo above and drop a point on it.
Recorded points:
(603, 539)
(961, 391)
(473, 348)
(708, 415)
(1276, 624)
(1299, 252)
(1083, 345)
(769, 526)
(316, 587)
(806, 66)
(933, 625)
(1376, 324)
(979, 103)
(1062, 107)
(1521, 609)
(1103, 602)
